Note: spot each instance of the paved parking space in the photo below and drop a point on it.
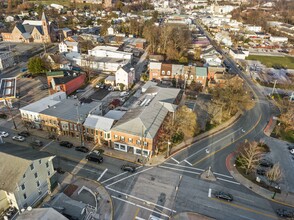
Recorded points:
(29, 90)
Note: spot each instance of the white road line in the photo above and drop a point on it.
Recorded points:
(138, 218)
(209, 193)
(175, 160)
(188, 163)
(210, 145)
(99, 178)
(138, 167)
(114, 177)
(131, 203)
(229, 181)
(185, 171)
(46, 145)
(81, 167)
(223, 175)
(142, 200)
(178, 165)
(129, 176)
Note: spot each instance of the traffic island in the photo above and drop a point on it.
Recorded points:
(283, 198)
(208, 175)
(81, 198)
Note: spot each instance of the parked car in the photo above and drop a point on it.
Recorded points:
(224, 196)
(94, 157)
(4, 134)
(285, 213)
(260, 172)
(290, 147)
(24, 133)
(82, 149)
(128, 168)
(19, 138)
(122, 94)
(292, 151)
(266, 163)
(37, 143)
(66, 144)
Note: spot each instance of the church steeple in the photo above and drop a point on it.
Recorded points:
(46, 28)
(44, 18)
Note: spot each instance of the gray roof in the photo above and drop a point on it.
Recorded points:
(66, 205)
(147, 85)
(41, 214)
(99, 122)
(14, 162)
(115, 114)
(43, 104)
(67, 109)
(148, 116)
(127, 68)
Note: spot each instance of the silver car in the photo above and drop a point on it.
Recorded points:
(19, 138)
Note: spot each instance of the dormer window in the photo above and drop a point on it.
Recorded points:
(163, 72)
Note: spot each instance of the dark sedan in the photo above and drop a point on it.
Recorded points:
(285, 213)
(66, 144)
(24, 134)
(82, 149)
(128, 168)
(224, 196)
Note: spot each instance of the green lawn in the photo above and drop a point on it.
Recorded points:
(270, 61)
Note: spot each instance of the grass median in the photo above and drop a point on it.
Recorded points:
(274, 61)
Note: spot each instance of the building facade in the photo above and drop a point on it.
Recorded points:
(28, 180)
(32, 31)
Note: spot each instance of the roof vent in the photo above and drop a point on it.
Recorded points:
(48, 106)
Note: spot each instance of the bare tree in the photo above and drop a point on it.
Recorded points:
(274, 174)
(250, 156)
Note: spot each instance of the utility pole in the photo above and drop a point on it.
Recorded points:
(141, 142)
(10, 113)
(79, 126)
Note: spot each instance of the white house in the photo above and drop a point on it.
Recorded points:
(26, 176)
(68, 46)
(125, 75)
(212, 60)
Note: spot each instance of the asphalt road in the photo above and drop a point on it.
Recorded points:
(175, 186)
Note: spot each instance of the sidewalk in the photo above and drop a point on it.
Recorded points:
(283, 198)
(102, 201)
(159, 159)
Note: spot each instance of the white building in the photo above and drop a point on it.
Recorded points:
(6, 59)
(239, 54)
(26, 176)
(125, 75)
(68, 46)
(278, 39)
(110, 52)
(32, 111)
(253, 28)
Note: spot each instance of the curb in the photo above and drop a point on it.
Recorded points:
(232, 171)
(119, 158)
(194, 141)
